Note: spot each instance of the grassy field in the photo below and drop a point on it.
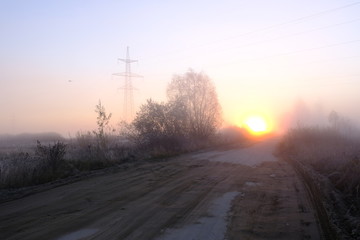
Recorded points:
(26, 163)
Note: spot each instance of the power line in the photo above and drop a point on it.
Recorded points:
(292, 35)
(329, 60)
(293, 21)
(291, 53)
(315, 48)
(300, 19)
(295, 34)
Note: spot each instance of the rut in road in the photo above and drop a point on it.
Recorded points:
(132, 204)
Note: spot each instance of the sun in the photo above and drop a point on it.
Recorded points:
(256, 125)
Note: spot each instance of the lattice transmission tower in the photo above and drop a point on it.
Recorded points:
(128, 110)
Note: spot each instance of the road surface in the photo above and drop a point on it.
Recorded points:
(242, 193)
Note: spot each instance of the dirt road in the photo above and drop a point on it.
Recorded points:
(211, 195)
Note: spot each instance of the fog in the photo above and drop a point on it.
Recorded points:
(143, 116)
(304, 114)
(292, 63)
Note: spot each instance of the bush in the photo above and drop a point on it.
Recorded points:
(20, 169)
(52, 154)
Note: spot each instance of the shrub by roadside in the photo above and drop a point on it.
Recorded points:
(20, 169)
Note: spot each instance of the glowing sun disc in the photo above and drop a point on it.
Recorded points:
(256, 124)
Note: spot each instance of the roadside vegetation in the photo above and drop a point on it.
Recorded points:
(188, 121)
(328, 158)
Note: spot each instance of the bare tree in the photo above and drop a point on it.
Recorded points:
(102, 123)
(197, 94)
(192, 113)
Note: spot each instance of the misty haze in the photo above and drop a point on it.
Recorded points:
(180, 120)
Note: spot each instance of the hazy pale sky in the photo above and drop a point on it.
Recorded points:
(263, 56)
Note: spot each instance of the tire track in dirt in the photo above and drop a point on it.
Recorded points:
(177, 202)
(119, 204)
(92, 201)
(273, 208)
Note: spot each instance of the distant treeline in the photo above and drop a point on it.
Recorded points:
(7, 140)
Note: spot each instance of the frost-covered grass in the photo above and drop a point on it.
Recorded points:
(21, 168)
(44, 163)
(18, 169)
(329, 152)
(29, 163)
(336, 157)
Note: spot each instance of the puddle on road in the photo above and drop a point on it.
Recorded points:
(78, 234)
(252, 184)
(211, 228)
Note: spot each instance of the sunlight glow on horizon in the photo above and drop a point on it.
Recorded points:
(257, 125)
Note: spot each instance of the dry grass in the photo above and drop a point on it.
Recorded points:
(336, 157)
(328, 152)
(18, 169)
(46, 163)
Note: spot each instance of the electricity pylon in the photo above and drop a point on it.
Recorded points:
(128, 111)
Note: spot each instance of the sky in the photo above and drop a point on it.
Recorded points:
(282, 60)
